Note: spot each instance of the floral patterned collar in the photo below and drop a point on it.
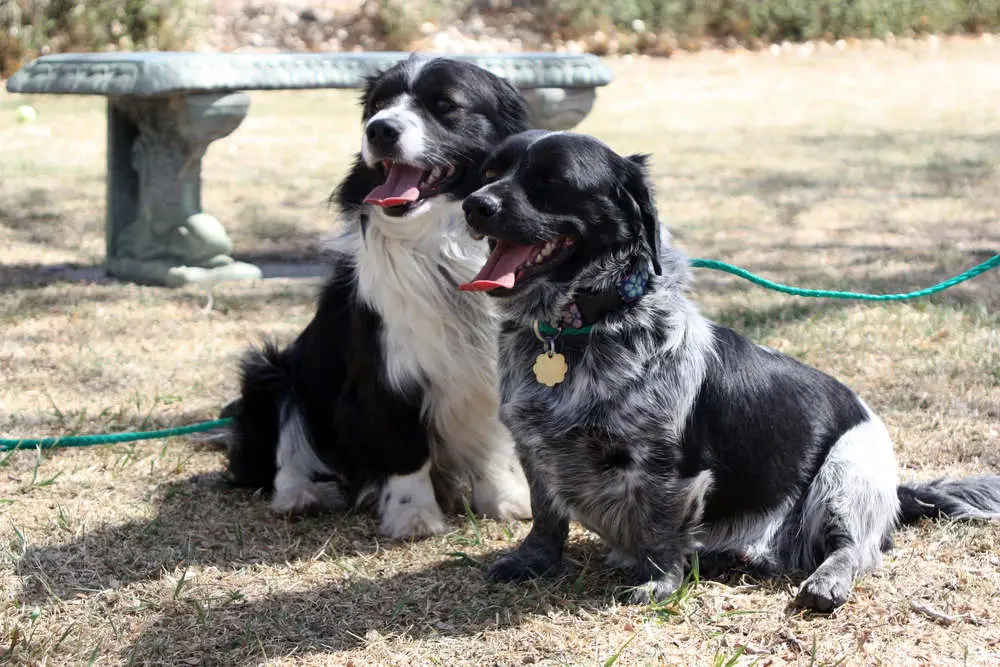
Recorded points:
(591, 307)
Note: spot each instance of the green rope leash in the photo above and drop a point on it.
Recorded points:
(7, 445)
(991, 263)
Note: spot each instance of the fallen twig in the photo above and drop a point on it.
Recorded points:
(941, 617)
(750, 649)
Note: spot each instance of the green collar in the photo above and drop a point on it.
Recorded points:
(549, 331)
(579, 316)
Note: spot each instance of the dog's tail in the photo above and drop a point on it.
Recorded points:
(265, 384)
(967, 498)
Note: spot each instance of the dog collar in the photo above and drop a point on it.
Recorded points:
(579, 316)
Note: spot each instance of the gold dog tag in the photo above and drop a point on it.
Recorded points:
(550, 368)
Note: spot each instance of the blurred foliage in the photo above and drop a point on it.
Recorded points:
(752, 22)
(32, 27)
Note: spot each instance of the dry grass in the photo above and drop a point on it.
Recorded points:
(870, 170)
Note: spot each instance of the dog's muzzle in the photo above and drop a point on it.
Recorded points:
(383, 135)
(481, 210)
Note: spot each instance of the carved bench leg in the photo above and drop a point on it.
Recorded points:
(559, 108)
(156, 231)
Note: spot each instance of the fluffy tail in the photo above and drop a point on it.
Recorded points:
(257, 419)
(967, 498)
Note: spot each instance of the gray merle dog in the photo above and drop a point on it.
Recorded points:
(658, 430)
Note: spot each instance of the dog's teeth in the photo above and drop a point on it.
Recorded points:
(434, 176)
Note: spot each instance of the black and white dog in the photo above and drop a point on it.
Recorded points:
(667, 433)
(390, 393)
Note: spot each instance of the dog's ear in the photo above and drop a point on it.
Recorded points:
(511, 107)
(367, 88)
(640, 190)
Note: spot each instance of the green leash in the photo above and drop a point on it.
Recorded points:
(109, 439)
(716, 265)
(11, 444)
(991, 263)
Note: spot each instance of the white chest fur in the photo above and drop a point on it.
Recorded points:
(432, 332)
(444, 342)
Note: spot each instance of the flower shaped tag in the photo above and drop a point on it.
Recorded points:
(550, 368)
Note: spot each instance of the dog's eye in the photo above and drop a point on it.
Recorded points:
(444, 105)
(490, 175)
(548, 178)
(380, 104)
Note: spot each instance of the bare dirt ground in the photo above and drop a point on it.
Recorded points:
(873, 170)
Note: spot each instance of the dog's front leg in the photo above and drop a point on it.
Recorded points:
(541, 551)
(660, 551)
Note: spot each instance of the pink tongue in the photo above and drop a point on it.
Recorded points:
(400, 187)
(501, 267)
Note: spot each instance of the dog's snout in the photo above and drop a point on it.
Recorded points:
(383, 133)
(481, 207)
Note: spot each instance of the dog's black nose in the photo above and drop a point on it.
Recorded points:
(383, 133)
(481, 207)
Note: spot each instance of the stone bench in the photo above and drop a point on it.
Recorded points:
(164, 109)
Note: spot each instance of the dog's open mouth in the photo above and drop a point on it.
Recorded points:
(510, 263)
(407, 185)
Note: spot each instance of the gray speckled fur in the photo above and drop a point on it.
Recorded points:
(660, 406)
(552, 425)
(634, 390)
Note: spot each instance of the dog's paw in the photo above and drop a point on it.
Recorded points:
(405, 520)
(505, 497)
(307, 499)
(408, 507)
(823, 592)
(656, 590)
(505, 506)
(523, 565)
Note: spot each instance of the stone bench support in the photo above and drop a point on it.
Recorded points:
(156, 230)
(164, 109)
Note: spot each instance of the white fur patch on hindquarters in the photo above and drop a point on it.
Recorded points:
(295, 492)
(408, 508)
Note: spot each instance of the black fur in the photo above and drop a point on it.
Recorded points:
(333, 372)
(670, 434)
(758, 460)
(970, 498)
(359, 423)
